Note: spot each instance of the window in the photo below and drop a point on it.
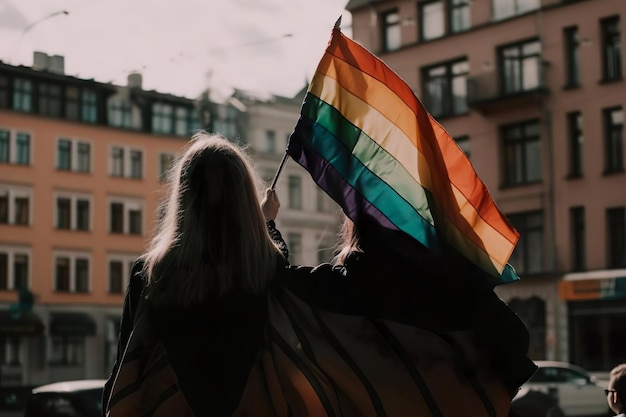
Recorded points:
(23, 95)
(49, 100)
(72, 95)
(391, 31)
(136, 164)
(572, 56)
(165, 163)
(508, 8)
(63, 213)
(14, 267)
(613, 139)
(577, 225)
(464, 144)
(5, 149)
(521, 66)
(162, 118)
(575, 141)
(71, 273)
(611, 46)
(181, 125)
(460, 18)
(22, 151)
(325, 204)
(64, 154)
(15, 204)
(120, 113)
(270, 141)
(4, 91)
(67, 350)
(73, 211)
(522, 153)
(445, 88)
(294, 243)
(73, 155)
(432, 20)
(84, 157)
(295, 192)
(10, 351)
(120, 267)
(125, 216)
(117, 162)
(616, 232)
(126, 162)
(89, 106)
(527, 258)
(14, 147)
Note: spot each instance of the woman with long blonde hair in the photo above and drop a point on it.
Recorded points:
(201, 287)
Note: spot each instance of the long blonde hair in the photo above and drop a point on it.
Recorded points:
(211, 236)
(347, 242)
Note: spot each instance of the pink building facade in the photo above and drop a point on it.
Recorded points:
(533, 92)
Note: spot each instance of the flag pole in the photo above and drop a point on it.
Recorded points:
(280, 168)
(338, 23)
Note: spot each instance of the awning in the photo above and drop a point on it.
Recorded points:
(72, 324)
(594, 285)
(27, 324)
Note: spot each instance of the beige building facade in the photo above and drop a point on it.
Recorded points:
(533, 92)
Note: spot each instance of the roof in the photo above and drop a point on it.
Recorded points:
(69, 386)
(356, 4)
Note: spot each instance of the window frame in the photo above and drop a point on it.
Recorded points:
(523, 223)
(572, 68)
(128, 205)
(615, 237)
(578, 240)
(613, 140)
(512, 70)
(127, 262)
(12, 252)
(575, 141)
(14, 193)
(610, 35)
(121, 162)
(512, 145)
(446, 84)
(390, 29)
(295, 192)
(72, 258)
(423, 18)
(74, 212)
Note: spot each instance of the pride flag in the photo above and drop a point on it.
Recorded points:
(368, 141)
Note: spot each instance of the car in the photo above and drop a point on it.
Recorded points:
(80, 398)
(574, 390)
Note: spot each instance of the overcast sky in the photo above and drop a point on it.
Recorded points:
(180, 46)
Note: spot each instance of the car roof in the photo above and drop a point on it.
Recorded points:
(70, 386)
(558, 364)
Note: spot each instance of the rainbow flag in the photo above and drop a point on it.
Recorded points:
(368, 141)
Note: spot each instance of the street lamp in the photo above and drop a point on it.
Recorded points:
(32, 25)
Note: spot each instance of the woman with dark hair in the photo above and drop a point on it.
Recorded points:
(201, 287)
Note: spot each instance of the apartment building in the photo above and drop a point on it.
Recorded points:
(308, 218)
(533, 92)
(82, 164)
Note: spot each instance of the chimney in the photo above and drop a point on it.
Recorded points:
(56, 64)
(45, 62)
(134, 80)
(40, 61)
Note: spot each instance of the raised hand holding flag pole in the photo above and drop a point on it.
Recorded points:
(368, 141)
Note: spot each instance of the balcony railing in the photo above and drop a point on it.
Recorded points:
(490, 91)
